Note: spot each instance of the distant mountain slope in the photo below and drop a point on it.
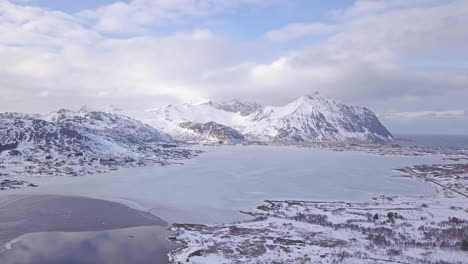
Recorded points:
(97, 132)
(79, 142)
(237, 106)
(315, 118)
(113, 128)
(169, 118)
(309, 118)
(212, 131)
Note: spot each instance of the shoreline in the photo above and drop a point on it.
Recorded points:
(148, 218)
(25, 215)
(386, 229)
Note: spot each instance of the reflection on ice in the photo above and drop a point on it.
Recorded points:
(133, 245)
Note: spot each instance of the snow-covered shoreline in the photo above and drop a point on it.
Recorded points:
(384, 230)
(280, 245)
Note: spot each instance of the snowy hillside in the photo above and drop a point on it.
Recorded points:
(173, 119)
(315, 118)
(212, 131)
(237, 106)
(75, 143)
(309, 118)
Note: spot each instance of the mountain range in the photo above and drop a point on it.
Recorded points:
(67, 142)
(310, 118)
(77, 142)
(90, 140)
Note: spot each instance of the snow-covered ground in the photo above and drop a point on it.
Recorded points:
(371, 205)
(215, 186)
(406, 230)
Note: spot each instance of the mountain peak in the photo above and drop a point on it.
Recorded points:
(244, 108)
(86, 108)
(111, 109)
(199, 101)
(314, 117)
(315, 97)
(309, 103)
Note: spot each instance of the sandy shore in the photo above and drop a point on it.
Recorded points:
(21, 215)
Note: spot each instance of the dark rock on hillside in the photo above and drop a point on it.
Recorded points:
(237, 106)
(214, 131)
(10, 146)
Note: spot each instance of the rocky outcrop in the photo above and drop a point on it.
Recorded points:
(213, 131)
(237, 106)
(10, 146)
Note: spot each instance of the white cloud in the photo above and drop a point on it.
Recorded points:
(366, 59)
(298, 30)
(362, 8)
(49, 57)
(32, 26)
(424, 114)
(137, 16)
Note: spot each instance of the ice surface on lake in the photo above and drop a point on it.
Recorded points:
(216, 185)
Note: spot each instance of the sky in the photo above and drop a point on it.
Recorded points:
(405, 59)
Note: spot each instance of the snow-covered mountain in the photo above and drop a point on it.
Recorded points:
(97, 132)
(174, 120)
(310, 118)
(212, 131)
(76, 142)
(112, 129)
(315, 118)
(236, 106)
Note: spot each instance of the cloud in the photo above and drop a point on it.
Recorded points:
(426, 122)
(364, 56)
(37, 27)
(298, 30)
(50, 55)
(362, 8)
(138, 16)
(424, 114)
(366, 59)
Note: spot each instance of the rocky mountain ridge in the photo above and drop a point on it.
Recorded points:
(213, 131)
(316, 118)
(80, 142)
(310, 118)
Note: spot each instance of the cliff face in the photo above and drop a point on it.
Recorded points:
(213, 131)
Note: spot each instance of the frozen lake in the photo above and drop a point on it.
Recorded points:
(216, 185)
